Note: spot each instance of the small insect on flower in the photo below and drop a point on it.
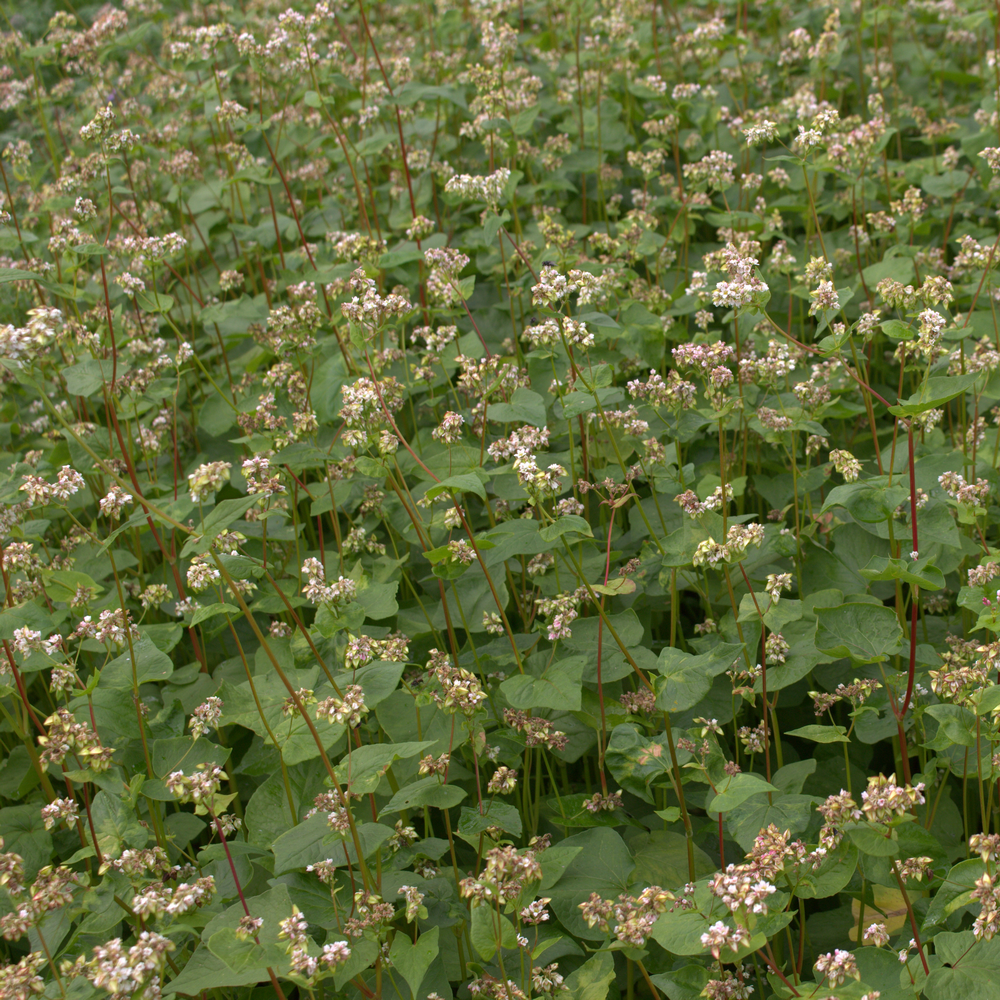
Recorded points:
(248, 927)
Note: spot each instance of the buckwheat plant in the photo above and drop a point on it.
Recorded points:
(499, 500)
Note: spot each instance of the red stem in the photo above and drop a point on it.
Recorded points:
(246, 910)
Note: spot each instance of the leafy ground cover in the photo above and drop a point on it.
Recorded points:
(499, 500)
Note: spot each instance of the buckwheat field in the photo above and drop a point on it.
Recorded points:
(499, 500)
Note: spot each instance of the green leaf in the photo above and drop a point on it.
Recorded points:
(567, 524)
(363, 954)
(946, 184)
(495, 813)
(88, 376)
(466, 483)
(820, 734)
(235, 317)
(16, 274)
(61, 585)
(558, 687)
(371, 836)
(617, 587)
(866, 502)
(402, 255)
(26, 616)
(525, 406)
(661, 858)
(493, 223)
(592, 981)
(867, 633)
(738, 789)
(117, 825)
(787, 812)
(837, 869)
(329, 621)
(934, 392)
(242, 955)
(599, 319)
(365, 765)
(598, 377)
(792, 777)
(213, 611)
(686, 678)
(685, 983)
(555, 861)
(874, 842)
(220, 517)
(413, 960)
(956, 727)
(892, 265)
(378, 600)
(490, 930)
(679, 931)
(205, 970)
(573, 404)
(603, 866)
(954, 892)
(23, 831)
(294, 738)
(989, 699)
(921, 573)
(412, 92)
(971, 969)
(637, 760)
(91, 250)
(776, 617)
(897, 329)
(424, 792)
(150, 665)
(303, 844)
(523, 121)
(181, 753)
(17, 774)
(378, 680)
(154, 302)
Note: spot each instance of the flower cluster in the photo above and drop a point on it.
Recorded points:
(64, 735)
(489, 188)
(160, 901)
(738, 538)
(336, 594)
(199, 788)
(633, 916)
(560, 611)
(537, 731)
(884, 800)
(457, 689)
(347, 710)
(967, 494)
(507, 874)
(370, 311)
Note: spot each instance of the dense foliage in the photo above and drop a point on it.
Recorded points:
(500, 500)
